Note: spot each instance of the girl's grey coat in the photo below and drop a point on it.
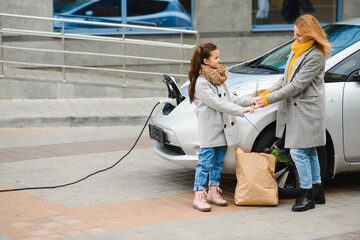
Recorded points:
(216, 109)
(302, 110)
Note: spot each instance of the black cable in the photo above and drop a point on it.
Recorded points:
(92, 174)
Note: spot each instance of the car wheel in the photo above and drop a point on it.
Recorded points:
(285, 173)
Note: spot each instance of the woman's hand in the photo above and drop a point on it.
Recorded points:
(259, 102)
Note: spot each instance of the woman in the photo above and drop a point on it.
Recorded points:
(301, 114)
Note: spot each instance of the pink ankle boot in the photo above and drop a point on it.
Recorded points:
(214, 196)
(200, 202)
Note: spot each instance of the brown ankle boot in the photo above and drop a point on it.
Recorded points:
(214, 196)
(200, 202)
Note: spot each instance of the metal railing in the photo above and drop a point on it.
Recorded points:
(122, 39)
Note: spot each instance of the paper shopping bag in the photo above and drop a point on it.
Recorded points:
(256, 184)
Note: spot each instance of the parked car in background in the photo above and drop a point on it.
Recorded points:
(177, 128)
(157, 13)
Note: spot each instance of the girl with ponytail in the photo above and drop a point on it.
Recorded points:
(216, 111)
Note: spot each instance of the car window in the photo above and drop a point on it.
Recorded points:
(71, 6)
(145, 7)
(108, 8)
(277, 58)
(342, 36)
(341, 71)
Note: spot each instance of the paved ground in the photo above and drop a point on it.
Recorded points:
(50, 142)
(88, 109)
(75, 112)
(143, 197)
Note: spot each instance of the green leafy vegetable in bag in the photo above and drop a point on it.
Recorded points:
(282, 155)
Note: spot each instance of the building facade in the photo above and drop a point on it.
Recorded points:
(229, 24)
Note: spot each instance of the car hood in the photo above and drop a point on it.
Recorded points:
(242, 84)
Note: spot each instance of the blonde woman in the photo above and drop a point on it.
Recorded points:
(301, 113)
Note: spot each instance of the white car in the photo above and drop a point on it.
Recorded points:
(175, 128)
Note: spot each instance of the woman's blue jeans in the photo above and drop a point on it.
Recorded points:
(209, 167)
(307, 164)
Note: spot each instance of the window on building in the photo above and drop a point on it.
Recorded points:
(156, 13)
(275, 15)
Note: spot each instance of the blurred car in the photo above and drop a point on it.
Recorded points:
(177, 126)
(157, 13)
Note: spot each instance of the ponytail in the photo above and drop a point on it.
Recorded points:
(200, 53)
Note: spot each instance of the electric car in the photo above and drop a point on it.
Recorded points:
(157, 13)
(175, 128)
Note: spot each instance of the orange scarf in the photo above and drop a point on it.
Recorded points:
(298, 48)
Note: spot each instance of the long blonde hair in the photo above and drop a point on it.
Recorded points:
(201, 52)
(309, 26)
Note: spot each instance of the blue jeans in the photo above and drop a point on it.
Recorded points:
(209, 167)
(307, 164)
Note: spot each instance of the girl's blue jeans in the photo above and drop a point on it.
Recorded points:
(307, 164)
(209, 167)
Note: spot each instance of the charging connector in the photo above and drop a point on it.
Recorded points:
(171, 101)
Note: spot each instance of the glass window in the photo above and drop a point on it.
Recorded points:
(340, 36)
(65, 6)
(275, 15)
(109, 8)
(145, 7)
(341, 71)
(156, 13)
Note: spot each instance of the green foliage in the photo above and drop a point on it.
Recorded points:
(282, 155)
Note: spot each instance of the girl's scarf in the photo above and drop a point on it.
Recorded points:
(216, 76)
(298, 48)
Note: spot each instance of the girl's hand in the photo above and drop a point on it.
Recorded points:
(249, 109)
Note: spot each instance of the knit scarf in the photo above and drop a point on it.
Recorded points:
(216, 76)
(298, 49)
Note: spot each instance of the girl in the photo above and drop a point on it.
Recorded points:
(216, 109)
(301, 91)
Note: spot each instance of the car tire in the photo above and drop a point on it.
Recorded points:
(286, 174)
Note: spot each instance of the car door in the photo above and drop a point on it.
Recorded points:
(343, 108)
(351, 109)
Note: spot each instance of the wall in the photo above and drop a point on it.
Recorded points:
(227, 25)
(350, 9)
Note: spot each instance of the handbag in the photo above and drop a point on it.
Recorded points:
(256, 184)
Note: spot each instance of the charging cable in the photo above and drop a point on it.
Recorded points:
(99, 171)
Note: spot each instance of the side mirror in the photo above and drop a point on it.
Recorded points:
(356, 76)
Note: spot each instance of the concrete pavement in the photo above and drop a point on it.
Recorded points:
(39, 98)
(50, 142)
(143, 197)
(75, 112)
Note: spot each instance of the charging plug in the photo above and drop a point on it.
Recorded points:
(171, 101)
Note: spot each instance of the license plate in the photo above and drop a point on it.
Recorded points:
(156, 133)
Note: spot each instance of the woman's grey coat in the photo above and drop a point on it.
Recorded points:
(216, 109)
(302, 110)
